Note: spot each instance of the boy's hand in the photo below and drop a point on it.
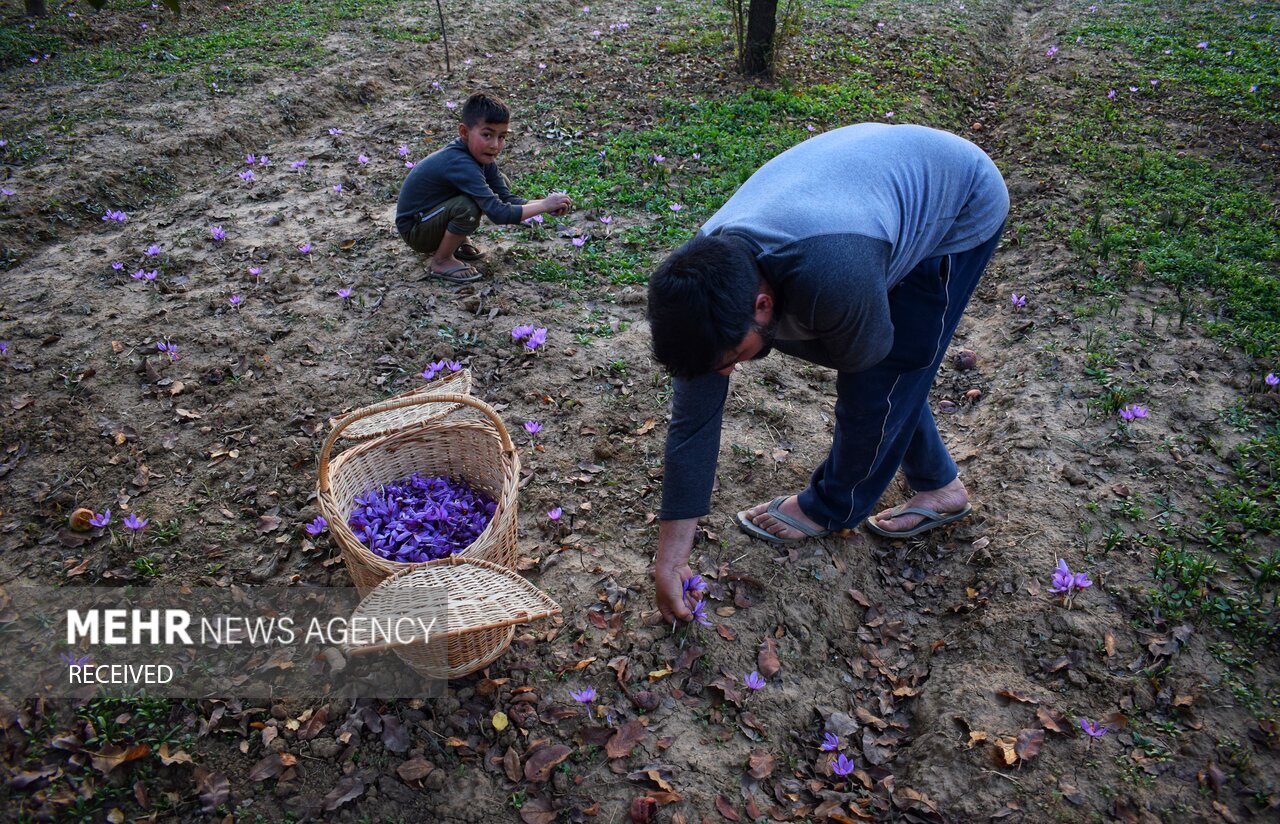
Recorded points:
(558, 203)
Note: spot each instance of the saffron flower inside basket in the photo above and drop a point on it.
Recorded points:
(421, 518)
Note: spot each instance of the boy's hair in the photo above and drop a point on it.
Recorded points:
(701, 303)
(485, 107)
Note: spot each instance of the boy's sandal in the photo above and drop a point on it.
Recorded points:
(468, 251)
(458, 274)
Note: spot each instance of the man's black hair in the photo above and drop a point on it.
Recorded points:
(484, 107)
(702, 303)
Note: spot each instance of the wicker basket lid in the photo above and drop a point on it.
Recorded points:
(455, 383)
(462, 595)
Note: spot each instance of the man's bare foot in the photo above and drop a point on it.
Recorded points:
(759, 516)
(949, 499)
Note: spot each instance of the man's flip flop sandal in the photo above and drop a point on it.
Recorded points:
(775, 510)
(468, 251)
(458, 274)
(931, 520)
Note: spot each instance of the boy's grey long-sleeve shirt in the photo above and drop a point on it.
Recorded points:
(836, 222)
(447, 173)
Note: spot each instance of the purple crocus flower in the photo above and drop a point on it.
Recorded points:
(579, 241)
(1081, 580)
(101, 520)
(754, 680)
(73, 660)
(536, 339)
(532, 427)
(409, 164)
(697, 155)
(247, 174)
(117, 265)
(256, 271)
(1131, 413)
(1111, 94)
(133, 522)
(1062, 578)
(344, 293)
(555, 514)
(305, 248)
(335, 132)
(1019, 300)
(657, 158)
(842, 765)
(8, 192)
(337, 187)
(453, 366)
(583, 696)
(450, 105)
(692, 584)
(362, 159)
(234, 300)
(1271, 379)
(152, 250)
(138, 275)
(675, 207)
(1092, 729)
(170, 349)
(4, 348)
(404, 151)
(264, 161)
(606, 220)
(150, 275)
(249, 159)
(317, 526)
(830, 743)
(218, 233)
(699, 611)
(1051, 52)
(297, 164)
(521, 332)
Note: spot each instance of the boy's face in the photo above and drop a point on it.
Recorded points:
(484, 140)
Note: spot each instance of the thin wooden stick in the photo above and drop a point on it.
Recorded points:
(445, 34)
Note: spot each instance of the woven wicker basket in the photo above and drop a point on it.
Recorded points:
(476, 603)
(477, 449)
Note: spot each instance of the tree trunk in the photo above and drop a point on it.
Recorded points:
(36, 8)
(762, 24)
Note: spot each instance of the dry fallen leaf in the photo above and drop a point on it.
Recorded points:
(539, 764)
(416, 769)
(1029, 744)
(626, 738)
(500, 721)
(112, 756)
(767, 660)
(726, 809)
(760, 764)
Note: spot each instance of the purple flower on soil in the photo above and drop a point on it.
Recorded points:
(753, 680)
(1203, 44)
(133, 522)
(1271, 379)
(532, 427)
(409, 164)
(453, 366)
(7, 192)
(362, 159)
(1062, 578)
(337, 187)
(810, 128)
(606, 220)
(1132, 413)
(73, 660)
(218, 233)
(1092, 729)
(317, 526)
(335, 131)
(152, 250)
(1111, 94)
(117, 265)
(344, 293)
(842, 765)
(234, 300)
(1081, 580)
(1019, 300)
(297, 164)
(150, 275)
(305, 248)
(542, 67)
(697, 155)
(657, 158)
(555, 514)
(4, 348)
(170, 349)
(429, 374)
(579, 241)
(536, 339)
(256, 271)
(264, 161)
(1051, 52)
(1155, 82)
(521, 332)
(247, 174)
(249, 159)
(675, 207)
(449, 104)
(830, 743)
(534, 219)
(138, 275)
(583, 696)
(115, 215)
(100, 520)
(699, 611)
(889, 115)
(404, 151)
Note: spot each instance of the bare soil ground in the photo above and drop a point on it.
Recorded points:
(922, 655)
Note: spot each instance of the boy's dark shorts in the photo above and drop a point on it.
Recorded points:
(460, 215)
